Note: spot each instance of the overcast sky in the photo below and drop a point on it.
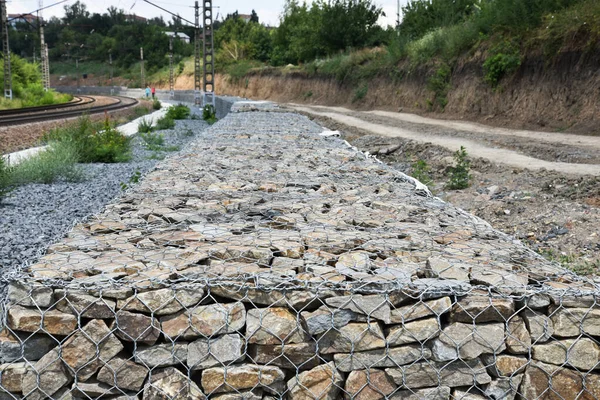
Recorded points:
(268, 10)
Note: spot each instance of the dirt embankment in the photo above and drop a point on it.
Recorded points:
(562, 96)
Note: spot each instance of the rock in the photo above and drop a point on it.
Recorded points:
(30, 294)
(206, 321)
(375, 306)
(23, 346)
(540, 327)
(355, 260)
(575, 321)
(428, 374)
(482, 308)
(467, 342)
(240, 377)
(11, 376)
(217, 351)
(380, 358)
(461, 395)
(420, 310)
(162, 301)
(432, 288)
(134, 327)
(29, 320)
(504, 388)
(565, 383)
(239, 396)
(438, 267)
(80, 303)
(368, 385)
(411, 332)
(51, 373)
(535, 301)
(582, 353)
(325, 319)
(87, 350)
(298, 299)
(299, 356)
(275, 325)
(352, 337)
(438, 393)
(504, 365)
(518, 339)
(171, 384)
(161, 355)
(124, 374)
(92, 390)
(323, 382)
(501, 280)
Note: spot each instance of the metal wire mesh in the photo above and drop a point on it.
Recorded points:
(269, 262)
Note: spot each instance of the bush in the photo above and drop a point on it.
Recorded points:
(6, 179)
(459, 174)
(156, 105)
(153, 139)
(422, 172)
(57, 162)
(360, 93)
(209, 114)
(179, 111)
(439, 84)
(503, 60)
(109, 146)
(165, 123)
(145, 126)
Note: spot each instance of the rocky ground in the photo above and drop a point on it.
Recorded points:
(556, 214)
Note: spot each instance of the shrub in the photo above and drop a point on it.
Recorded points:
(422, 172)
(145, 126)
(109, 146)
(6, 179)
(459, 174)
(156, 105)
(165, 123)
(179, 111)
(360, 93)
(503, 60)
(152, 139)
(209, 114)
(57, 162)
(439, 84)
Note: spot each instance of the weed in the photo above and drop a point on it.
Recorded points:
(140, 111)
(439, 84)
(360, 93)
(573, 262)
(109, 146)
(6, 179)
(165, 123)
(503, 60)
(156, 104)
(209, 114)
(187, 132)
(57, 162)
(156, 156)
(178, 111)
(152, 139)
(459, 174)
(422, 172)
(308, 94)
(145, 126)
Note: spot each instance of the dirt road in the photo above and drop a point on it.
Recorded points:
(541, 187)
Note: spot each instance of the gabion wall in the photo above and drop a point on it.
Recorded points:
(270, 262)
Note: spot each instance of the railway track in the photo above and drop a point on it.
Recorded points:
(82, 105)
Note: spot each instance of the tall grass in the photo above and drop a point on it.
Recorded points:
(58, 162)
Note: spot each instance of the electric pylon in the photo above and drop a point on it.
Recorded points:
(6, 52)
(171, 78)
(208, 60)
(197, 99)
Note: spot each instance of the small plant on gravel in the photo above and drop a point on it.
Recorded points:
(152, 139)
(145, 126)
(165, 123)
(58, 162)
(422, 172)
(178, 111)
(6, 178)
(459, 174)
(209, 114)
(109, 146)
(156, 105)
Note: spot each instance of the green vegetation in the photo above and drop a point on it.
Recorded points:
(57, 162)
(178, 111)
(6, 181)
(209, 114)
(156, 105)
(503, 60)
(459, 174)
(165, 123)
(360, 92)
(573, 262)
(152, 140)
(439, 84)
(422, 172)
(145, 125)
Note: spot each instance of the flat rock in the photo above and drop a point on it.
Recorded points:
(23, 346)
(51, 374)
(205, 321)
(30, 320)
(93, 390)
(30, 294)
(240, 396)
(300, 356)
(324, 319)
(352, 337)
(429, 374)
(504, 365)
(566, 384)
(298, 299)
(582, 354)
(467, 342)
(411, 332)
(575, 321)
(439, 267)
(171, 384)
(136, 327)
(11, 376)
(540, 327)
(439, 393)
(162, 355)
(380, 358)
(323, 382)
(162, 301)
(240, 377)
(421, 309)
(368, 385)
(504, 388)
(482, 308)
(375, 306)
(85, 305)
(217, 351)
(124, 374)
(518, 339)
(275, 325)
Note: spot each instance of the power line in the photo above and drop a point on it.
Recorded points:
(39, 9)
(167, 11)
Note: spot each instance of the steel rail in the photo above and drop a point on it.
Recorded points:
(80, 100)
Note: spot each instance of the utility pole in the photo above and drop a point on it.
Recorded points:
(197, 57)
(142, 78)
(6, 51)
(43, 56)
(47, 71)
(208, 60)
(111, 70)
(171, 78)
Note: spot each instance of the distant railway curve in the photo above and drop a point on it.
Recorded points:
(79, 106)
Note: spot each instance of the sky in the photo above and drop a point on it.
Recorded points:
(268, 10)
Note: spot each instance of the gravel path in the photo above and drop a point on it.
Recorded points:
(35, 215)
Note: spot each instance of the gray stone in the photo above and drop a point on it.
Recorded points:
(368, 385)
(568, 322)
(217, 351)
(135, 327)
(518, 339)
(504, 388)
(566, 383)
(162, 301)
(161, 355)
(429, 374)
(439, 267)
(171, 384)
(299, 356)
(535, 301)
(482, 308)
(582, 353)
(411, 332)
(432, 288)
(375, 306)
(462, 395)
(80, 303)
(240, 377)
(239, 396)
(540, 327)
(124, 374)
(275, 325)
(323, 382)
(352, 337)
(51, 373)
(205, 321)
(467, 342)
(380, 358)
(23, 346)
(354, 260)
(298, 299)
(504, 365)
(30, 294)
(325, 319)
(501, 280)
(92, 390)
(11, 376)
(438, 393)
(421, 309)
(30, 320)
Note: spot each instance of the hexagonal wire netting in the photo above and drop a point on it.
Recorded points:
(269, 262)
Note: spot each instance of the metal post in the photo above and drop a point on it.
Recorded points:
(47, 61)
(197, 99)
(77, 72)
(111, 71)
(208, 61)
(142, 77)
(171, 78)
(44, 59)
(6, 51)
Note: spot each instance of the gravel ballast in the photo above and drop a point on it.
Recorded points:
(36, 215)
